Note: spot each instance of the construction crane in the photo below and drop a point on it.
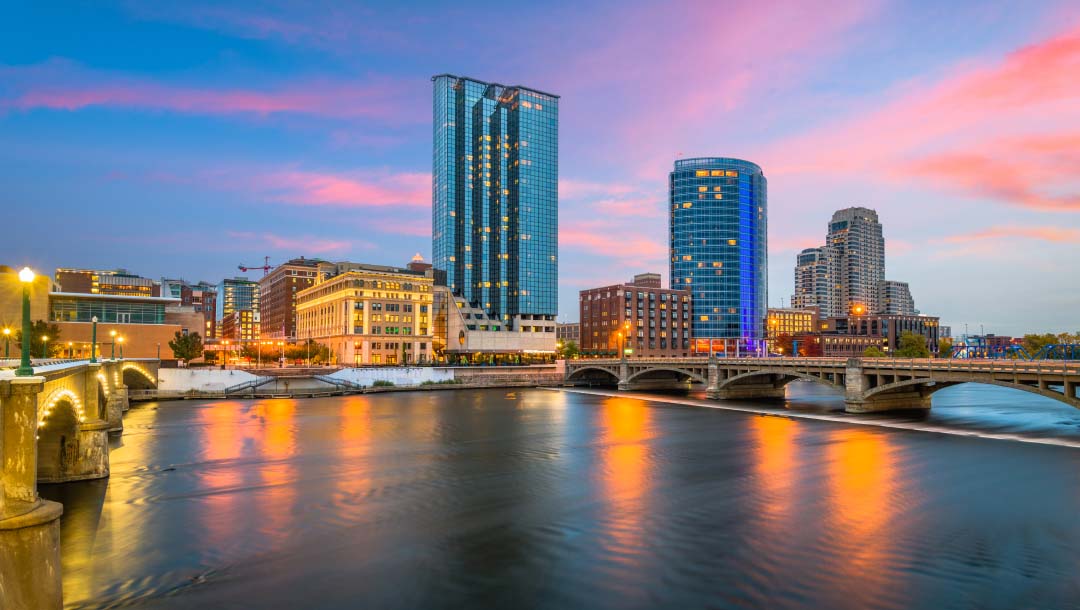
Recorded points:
(266, 267)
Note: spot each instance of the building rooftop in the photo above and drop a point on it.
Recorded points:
(114, 297)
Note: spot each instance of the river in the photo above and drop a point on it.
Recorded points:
(548, 499)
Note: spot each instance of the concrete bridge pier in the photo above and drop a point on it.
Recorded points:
(117, 404)
(858, 398)
(29, 526)
(624, 375)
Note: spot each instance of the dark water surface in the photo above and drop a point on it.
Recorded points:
(541, 499)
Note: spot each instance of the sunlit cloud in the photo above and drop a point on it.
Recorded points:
(988, 129)
(300, 244)
(63, 85)
(1000, 234)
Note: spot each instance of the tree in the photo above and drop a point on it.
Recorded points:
(944, 348)
(912, 345)
(568, 350)
(810, 346)
(186, 347)
(1033, 342)
(783, 344)
(874, 352)
(40, 329)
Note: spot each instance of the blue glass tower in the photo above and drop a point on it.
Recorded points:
(495, 197)
(718, 249)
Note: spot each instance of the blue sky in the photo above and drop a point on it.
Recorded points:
(183, 140)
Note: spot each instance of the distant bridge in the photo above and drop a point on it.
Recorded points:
(868, 384)
(54, 428)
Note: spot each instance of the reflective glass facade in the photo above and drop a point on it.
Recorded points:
(718, 233)
(76, 309)
(495, 180)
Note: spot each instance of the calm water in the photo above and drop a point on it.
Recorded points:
(538, 499)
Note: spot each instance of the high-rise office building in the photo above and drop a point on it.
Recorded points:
(856, 235)
(817, 281)
(240, 308)
(495, 210)
(718, 248)
(897, 299)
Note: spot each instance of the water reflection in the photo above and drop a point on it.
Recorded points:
(864, 511)
(625, 471)
(546, 500)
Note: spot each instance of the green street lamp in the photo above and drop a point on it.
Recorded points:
(7, 343)
(112, 345)
(26, 276)
(44, 346)
(120, 340)
(93, 340)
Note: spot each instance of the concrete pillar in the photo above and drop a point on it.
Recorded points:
(30, 563)
(29, 526)
(18, 422)
(624, 375)
(712, 388)
(117, 404)
(855, 382)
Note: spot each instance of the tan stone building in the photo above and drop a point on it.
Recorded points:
(368, 314)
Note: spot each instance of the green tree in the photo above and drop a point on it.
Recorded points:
(568, 350)
(1035, 342)
(944, 348)
(40, 329)
(874, 352)
(186, 347)
(912, 345)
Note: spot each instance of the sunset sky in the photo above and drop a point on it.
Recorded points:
(183, 140)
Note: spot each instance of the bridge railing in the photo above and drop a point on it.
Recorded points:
(919, 364)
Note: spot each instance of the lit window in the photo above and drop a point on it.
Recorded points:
(732, 174)
(704, 318)
(702, 189)
(731, 242)
(702, 172)
(687, 205)
(718, 196)
(718, 172)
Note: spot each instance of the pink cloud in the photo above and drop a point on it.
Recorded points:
(989, 129)
(600, 239)
(1051, 234)
(370, 190)
(61, 85)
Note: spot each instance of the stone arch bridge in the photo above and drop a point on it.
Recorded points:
(54, 428)
(868, 384)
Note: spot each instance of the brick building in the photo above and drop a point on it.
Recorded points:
(639, 316)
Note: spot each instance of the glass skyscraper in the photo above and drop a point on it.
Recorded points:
(718, 250)
(495, 197)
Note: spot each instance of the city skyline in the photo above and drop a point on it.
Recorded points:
(277, 132)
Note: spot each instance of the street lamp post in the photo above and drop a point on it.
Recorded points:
(71, 350)
(7, 343)
(26, 276)
(44, 346)
(112, 345)
(120, 340)
(282, 345)
(93, 340)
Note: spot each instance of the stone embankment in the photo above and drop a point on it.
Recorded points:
(194, 383)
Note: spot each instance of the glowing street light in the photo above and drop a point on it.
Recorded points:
(7, 343)
(120, 340)
(26, 276)
(112, 345)
(44, 346)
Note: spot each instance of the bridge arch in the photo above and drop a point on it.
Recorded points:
(780, 376)
(594, 373)
(684, 375)
(927, 387)
(58, 424)
(136, 377)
